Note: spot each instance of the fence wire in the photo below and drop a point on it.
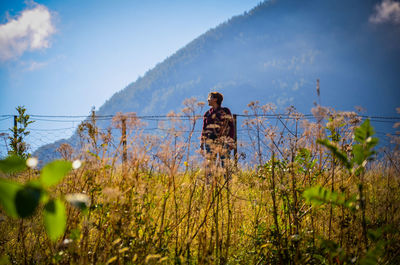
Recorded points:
(48, 129)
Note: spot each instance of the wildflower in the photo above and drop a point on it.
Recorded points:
(78, 200)
(67, 241)
(32, 162)
(76, 164)
(320, 112)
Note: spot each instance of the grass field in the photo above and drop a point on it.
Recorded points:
(296, 200)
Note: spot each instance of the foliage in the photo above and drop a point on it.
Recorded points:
(318, 195)
(12, 164)
(303, 204)
(362, 151)
(19, 132)
(22, 200)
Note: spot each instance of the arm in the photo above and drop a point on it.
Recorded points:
(231, 127)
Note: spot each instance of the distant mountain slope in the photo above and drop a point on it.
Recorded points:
(275, 53)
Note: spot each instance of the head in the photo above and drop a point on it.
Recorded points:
(215, 98)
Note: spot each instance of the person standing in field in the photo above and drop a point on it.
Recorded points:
(217, 136)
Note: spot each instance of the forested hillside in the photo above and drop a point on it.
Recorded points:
(275, 53)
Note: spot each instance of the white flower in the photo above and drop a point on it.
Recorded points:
(78, 200)
(76, 164)
(32, 162)
(67, 241)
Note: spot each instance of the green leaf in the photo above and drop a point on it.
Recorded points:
(55, 219)
(342, 157)
(304, 152)
(364, 131)
(8, 192)
(27, 200)
(12, 164)
(75, 234)
(363, 135)
(5, 260)
(318, 195)
(44, 196)
(303, 156)
(373, 255)
(374, 235)
(358, 154)
(54, 172)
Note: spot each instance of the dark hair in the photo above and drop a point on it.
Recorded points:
(218, 96)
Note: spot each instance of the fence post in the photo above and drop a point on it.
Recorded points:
(15, 129)
(235, 139)
(94, 117)
(124, 149)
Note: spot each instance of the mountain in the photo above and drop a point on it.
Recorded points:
(274, 53)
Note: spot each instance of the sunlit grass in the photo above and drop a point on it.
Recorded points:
(159, 208)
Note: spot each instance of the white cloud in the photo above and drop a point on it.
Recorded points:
(387, 11)
(33, 66)
(30, 31)
(298, 84)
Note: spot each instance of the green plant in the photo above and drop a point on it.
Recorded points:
(362, 152)
(156, 209)
(22, 200)
(19, 132)
(318, 195)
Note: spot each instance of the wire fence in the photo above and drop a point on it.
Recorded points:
(47, 129)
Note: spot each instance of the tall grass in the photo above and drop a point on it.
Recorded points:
(159, 208)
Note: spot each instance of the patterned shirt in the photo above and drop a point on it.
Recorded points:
(217, 124)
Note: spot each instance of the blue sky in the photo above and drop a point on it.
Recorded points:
(64, 57)
(72, 55)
